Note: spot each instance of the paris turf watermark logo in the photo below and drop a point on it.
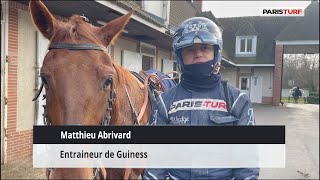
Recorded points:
(282, 12)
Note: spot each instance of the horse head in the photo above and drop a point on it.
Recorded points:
(80, 79)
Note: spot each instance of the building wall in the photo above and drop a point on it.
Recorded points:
(19, 142)
(232, 74)
(26, 76)
(123, 44)
(229, 74)
(198, 4)
(267, 83)
(180, 11)
(243, 71)
(162, 54)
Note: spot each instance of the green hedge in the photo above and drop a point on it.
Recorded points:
(316, 94)
(313, 100)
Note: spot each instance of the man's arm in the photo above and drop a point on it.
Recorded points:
(242, 110)
(159, 115)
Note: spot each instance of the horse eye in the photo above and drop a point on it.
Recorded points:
(107, 82)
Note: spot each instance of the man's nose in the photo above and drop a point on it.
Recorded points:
(198, 52)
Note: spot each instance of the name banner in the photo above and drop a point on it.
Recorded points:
(159, 135)
(159, 146)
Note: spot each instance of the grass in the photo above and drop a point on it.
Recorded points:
(285, 100)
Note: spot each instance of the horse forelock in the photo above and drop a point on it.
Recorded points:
(74, 29)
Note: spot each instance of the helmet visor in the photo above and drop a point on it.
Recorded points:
(188, 39)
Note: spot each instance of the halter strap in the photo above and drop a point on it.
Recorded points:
(77, 46)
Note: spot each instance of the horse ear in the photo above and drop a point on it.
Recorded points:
(112, 29)
(42, 18)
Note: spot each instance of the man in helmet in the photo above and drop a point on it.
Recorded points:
(198, 45)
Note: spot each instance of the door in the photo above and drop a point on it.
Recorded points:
(245, 85)
(256, 89)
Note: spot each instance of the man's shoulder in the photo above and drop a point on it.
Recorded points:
(168, 95)
(233, 89)
(235, 93)
(170, 92)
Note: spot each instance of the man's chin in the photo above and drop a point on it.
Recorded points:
(200, 62)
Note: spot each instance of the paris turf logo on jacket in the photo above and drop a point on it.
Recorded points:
(198, 104)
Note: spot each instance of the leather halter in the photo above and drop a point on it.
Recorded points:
(76, 46)
(112, 96)
(111, 99)
(107, 117)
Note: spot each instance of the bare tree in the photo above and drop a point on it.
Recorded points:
(302, 69)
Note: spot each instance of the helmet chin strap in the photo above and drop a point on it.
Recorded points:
(216, 68)
(215, 59)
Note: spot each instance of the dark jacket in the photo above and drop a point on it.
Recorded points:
(180, 106)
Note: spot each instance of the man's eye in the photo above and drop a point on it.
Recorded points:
(189, 49)
(205, 48)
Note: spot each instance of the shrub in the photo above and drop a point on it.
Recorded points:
(313, 100)
(316, 94)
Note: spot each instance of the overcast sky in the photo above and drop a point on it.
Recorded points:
(247, 8)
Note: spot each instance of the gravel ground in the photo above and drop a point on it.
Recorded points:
(21, 169)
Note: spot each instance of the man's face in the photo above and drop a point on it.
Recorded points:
(197, 53)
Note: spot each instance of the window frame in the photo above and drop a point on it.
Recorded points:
(153, 56)
(165, 14)
(253, 45)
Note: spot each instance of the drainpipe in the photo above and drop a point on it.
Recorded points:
(36, 86)
(5, 9)
(281, 74)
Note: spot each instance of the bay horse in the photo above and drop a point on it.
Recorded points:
(81, 81)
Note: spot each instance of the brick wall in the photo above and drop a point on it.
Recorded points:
(277, 75)
(19, 143)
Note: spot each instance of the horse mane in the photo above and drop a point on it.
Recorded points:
(75, 28)
(125, 76)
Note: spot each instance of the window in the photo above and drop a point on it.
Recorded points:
(161, 9)
(246, 45)
(147, 62)
(148, 53)
(244, 84)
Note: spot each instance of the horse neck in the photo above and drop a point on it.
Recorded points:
(125, 80)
